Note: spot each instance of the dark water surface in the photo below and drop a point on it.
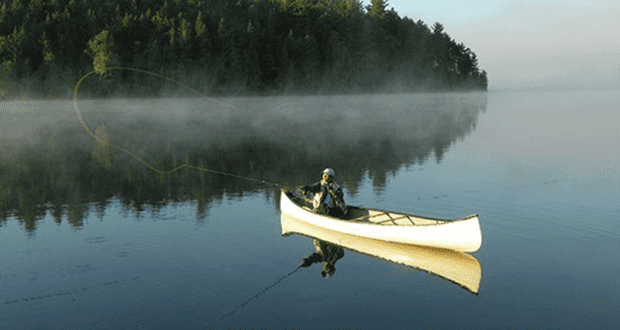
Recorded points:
(90, 238)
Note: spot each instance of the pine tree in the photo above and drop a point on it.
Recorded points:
(378, 8)
(102, 49)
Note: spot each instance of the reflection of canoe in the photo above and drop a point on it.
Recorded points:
(458, 267)
(460, 235)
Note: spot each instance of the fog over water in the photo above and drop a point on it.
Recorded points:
(91, 238)
(281, 140)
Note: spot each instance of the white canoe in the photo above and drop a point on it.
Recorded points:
(459, 235)
(457, 267)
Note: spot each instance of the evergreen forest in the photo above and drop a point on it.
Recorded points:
(226, 47)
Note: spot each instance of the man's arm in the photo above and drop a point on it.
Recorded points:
(313, 188)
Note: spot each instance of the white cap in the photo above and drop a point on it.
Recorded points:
(329, 171)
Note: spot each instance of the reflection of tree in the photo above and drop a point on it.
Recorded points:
(66, 174)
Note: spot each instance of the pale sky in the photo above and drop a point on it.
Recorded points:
(545, 44)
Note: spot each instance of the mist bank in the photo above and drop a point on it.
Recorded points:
(59, 169)
(222, 47)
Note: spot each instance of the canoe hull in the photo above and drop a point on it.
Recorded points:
(459, 235)
(454, 266)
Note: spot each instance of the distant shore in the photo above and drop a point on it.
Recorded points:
(245, 47)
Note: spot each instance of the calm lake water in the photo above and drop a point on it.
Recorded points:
(92, 238)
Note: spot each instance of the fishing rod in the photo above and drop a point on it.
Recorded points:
(247, 301)
(307, 262)
(105, 143)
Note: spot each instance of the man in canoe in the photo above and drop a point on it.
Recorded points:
(328, 197)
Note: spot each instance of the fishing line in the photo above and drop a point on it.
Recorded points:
(105, 143)
(247, 301)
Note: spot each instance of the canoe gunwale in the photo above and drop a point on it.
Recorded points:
(405, 215)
